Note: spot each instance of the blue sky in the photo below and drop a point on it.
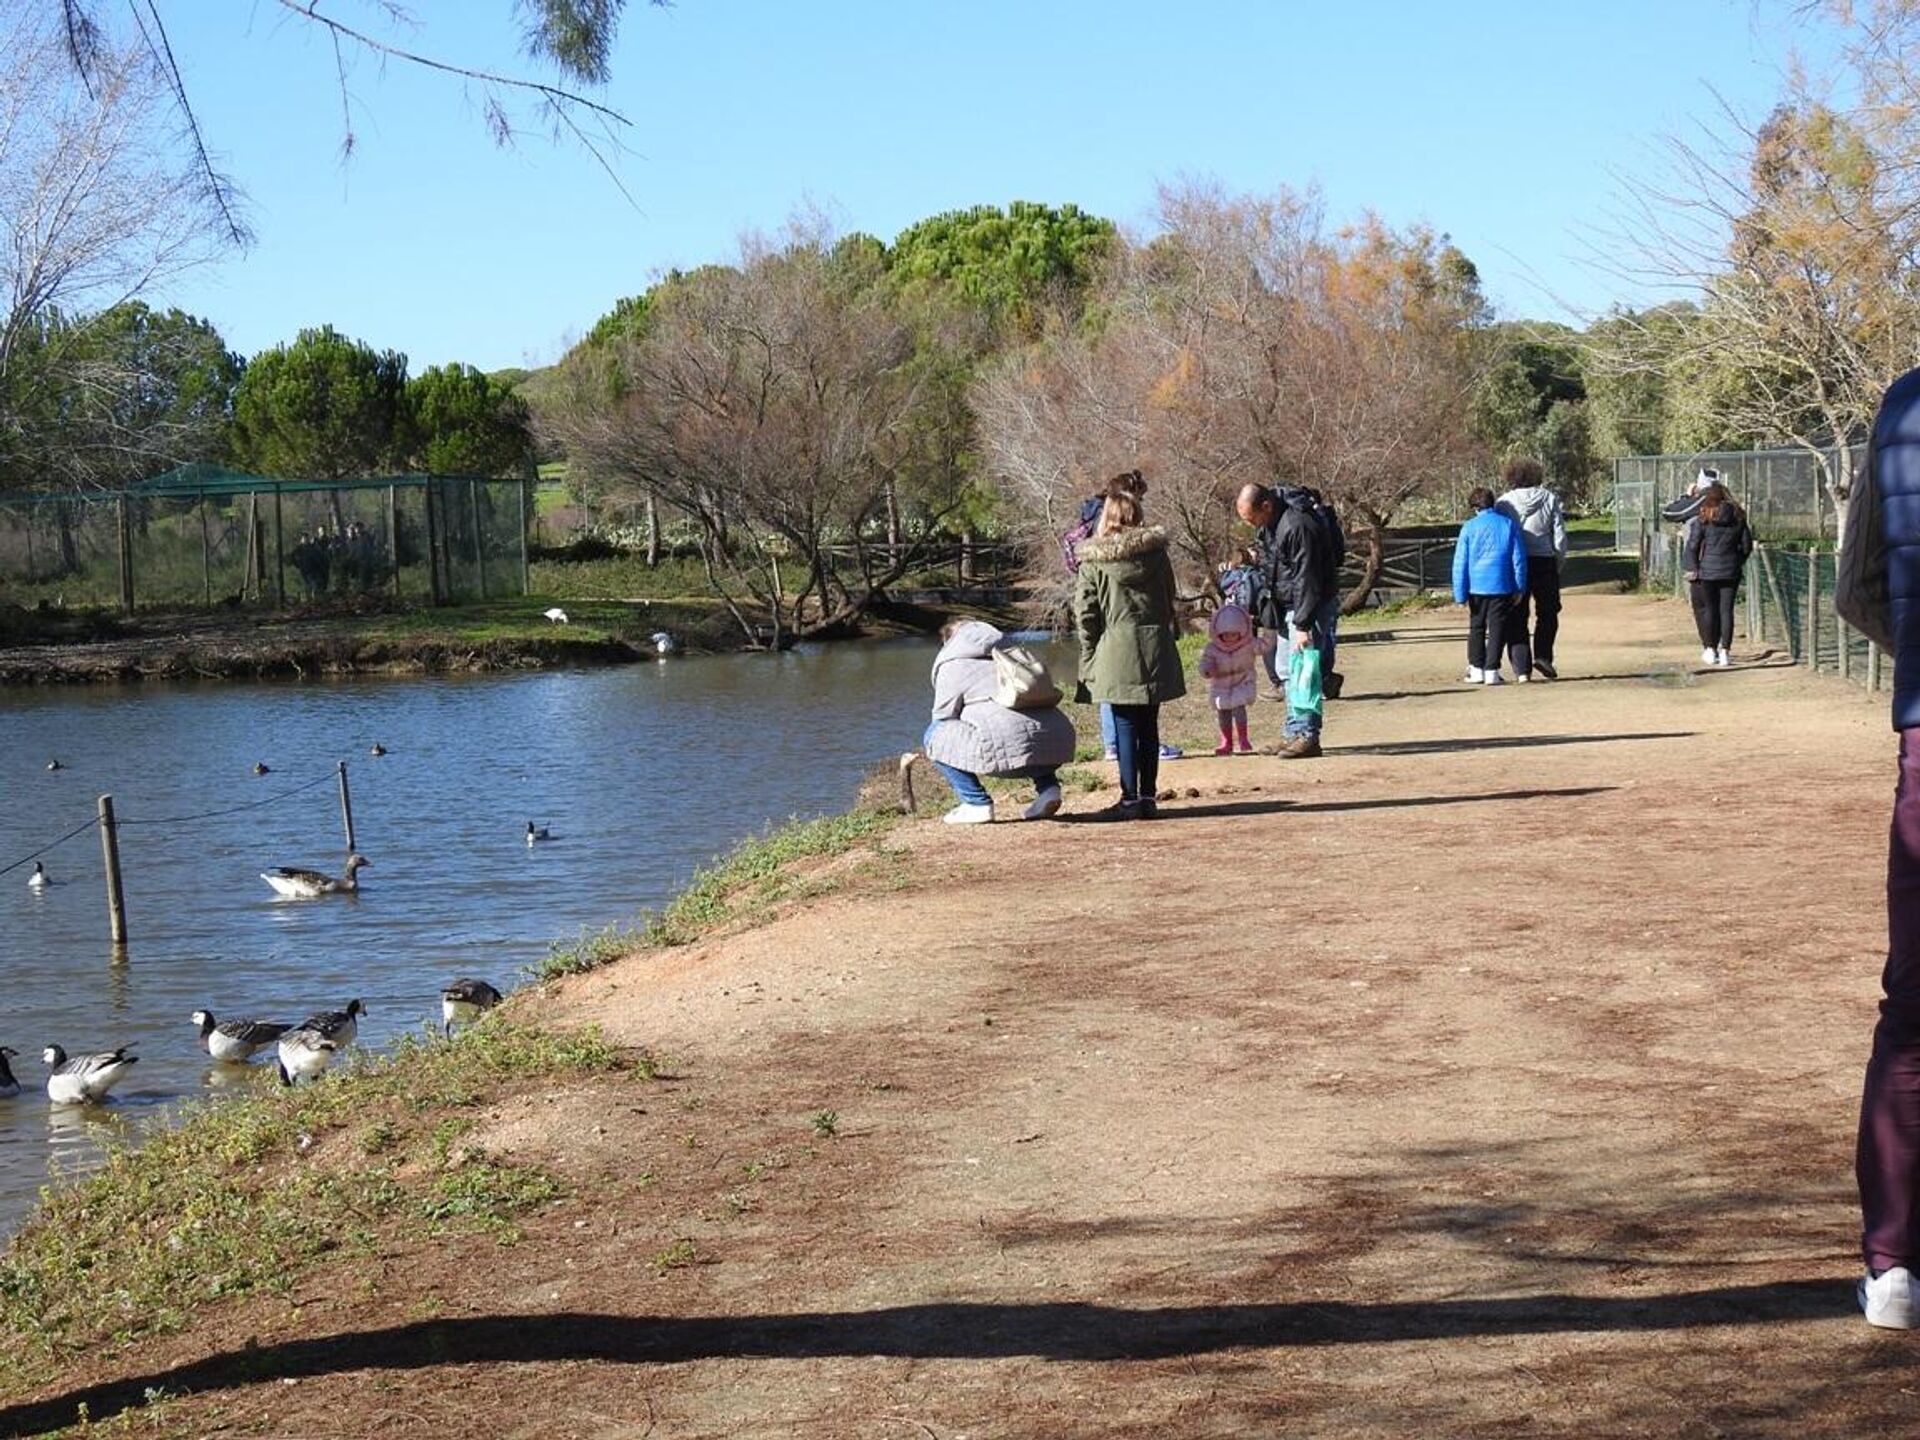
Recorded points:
(1505, 124)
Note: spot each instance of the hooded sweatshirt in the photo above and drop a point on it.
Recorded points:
(1229, 663)
(971, 731)
(1543, 522)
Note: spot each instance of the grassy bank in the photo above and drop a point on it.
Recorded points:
(255, 1198)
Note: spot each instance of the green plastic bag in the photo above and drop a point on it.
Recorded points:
(1303, 681)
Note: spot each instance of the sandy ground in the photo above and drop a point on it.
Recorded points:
(1494, 1075)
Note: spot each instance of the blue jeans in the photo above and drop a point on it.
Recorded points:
(1136, 732)
(1107, 737)
(967, 787)
(1325, 630)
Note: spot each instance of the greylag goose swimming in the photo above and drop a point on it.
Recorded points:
(9, 1087)
(84, 1079)
(236, 1041)
(310, 884)
(304, 1054)
(38, 880)
(466, 1000)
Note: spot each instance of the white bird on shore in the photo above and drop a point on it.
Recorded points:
(84, 1079)
(308, 1049)
(236, 1041)
(466, 1000)
(556, 615)
(304, 1055)
(9, 1087)
(310, 884)
(38, 880)
(537, 833)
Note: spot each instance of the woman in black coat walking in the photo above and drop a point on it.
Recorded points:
(1719, 540)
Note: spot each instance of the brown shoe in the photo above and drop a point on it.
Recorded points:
(1301, 747)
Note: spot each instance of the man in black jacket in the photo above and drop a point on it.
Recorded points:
(1301, 591)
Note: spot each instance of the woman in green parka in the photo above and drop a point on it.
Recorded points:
(1124, 612)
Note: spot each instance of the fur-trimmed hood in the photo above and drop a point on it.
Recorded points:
(1123, 545)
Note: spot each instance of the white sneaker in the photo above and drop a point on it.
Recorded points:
(1721, 658)
(1045, 805)
(1521, 679)
(1706, 656)
(1494, 677)
(964, 814)
(1890, 1300)
(1474, 676)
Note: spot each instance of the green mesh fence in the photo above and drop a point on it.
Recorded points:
(1781, 490)
(209, 538)
(1786, 606)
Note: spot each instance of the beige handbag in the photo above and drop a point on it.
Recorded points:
(1021, 680)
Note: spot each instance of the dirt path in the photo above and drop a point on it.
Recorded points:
(1494, 1075)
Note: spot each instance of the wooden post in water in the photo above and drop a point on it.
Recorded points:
(346, 807)
(110, 852)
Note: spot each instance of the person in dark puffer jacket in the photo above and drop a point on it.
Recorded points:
(1716, 550)
(1887, 1157)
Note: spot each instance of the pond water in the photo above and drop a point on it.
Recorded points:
(643, 774)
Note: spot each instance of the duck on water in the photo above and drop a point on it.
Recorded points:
(297, 884)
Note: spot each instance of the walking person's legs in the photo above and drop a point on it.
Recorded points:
(1496, 638)
(1724, 592)
(1519, 651)
(1476, 637)
(1543, 584)
(1887, 1155)
(1107, 741)
(1702, 598)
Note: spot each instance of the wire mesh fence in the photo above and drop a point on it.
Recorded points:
(1781, 490)
(1786, 602)
(218, 538)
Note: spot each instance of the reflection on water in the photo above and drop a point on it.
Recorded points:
(644, 773)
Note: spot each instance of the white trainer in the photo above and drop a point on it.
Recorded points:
(1494, 677)
(1722, 659)
(964, 814)
(1045, 805)
(1890, 1299)
(1522, 679)
(1474, 676)
(1706, 655)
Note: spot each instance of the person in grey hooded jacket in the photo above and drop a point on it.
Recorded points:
(1543, 525)
(972, 734)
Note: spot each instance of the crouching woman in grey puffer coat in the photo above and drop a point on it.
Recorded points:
(973, 735)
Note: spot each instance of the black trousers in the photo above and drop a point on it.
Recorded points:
(1543, 595)
(1487, 620)
(1713, 612)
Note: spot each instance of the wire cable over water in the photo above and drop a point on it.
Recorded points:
(122, 822)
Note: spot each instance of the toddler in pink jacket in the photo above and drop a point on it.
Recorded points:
(1231, 667)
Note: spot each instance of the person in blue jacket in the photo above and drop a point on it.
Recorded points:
(1489, 577)
(1881, 556)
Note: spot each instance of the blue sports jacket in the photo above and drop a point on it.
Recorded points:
(1490, 557)
(1896, 475)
